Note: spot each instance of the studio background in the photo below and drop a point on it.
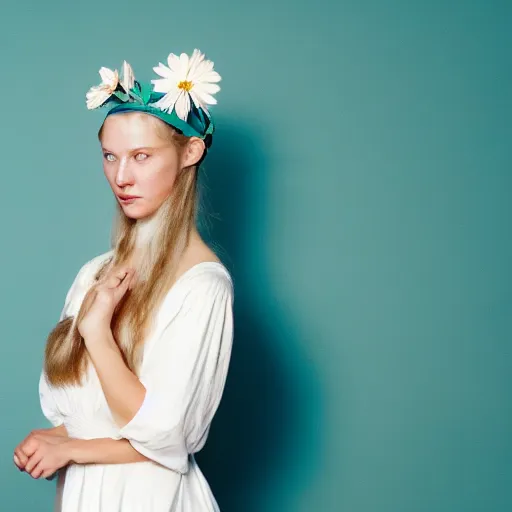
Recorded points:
(358, 189)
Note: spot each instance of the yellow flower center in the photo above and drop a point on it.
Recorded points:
(185, 85)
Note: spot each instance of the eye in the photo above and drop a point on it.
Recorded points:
(109, 157)
(141, 156)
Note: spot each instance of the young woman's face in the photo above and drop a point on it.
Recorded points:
(138, 162)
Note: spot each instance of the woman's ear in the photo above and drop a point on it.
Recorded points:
(193, 152)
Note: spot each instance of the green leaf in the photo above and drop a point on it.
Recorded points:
(122, 96)
(135, 92)
(145, 93)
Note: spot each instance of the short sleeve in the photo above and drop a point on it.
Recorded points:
(184, 374)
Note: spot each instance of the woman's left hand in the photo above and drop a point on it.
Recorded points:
(101, 303)
(41, 454)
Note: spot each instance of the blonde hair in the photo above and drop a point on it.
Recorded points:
(66, 358)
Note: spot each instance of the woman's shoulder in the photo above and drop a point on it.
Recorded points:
(204, 277)
(203, 280)
(198, 289)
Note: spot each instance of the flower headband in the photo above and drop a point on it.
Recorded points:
(179, 98)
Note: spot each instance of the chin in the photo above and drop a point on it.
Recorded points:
(134, 213)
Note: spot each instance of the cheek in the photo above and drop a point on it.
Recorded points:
(110, 174)
(157, 185)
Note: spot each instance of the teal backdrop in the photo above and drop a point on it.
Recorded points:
(358, 189)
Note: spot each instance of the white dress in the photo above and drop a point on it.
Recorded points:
(185, 364)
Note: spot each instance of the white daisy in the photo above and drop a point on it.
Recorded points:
(98, 94)
(183, 79)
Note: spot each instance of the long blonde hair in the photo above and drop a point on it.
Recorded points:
(66, 358)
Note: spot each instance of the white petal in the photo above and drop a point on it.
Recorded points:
(183, 106)
(197, 101)
(210, 76)
(163, 71)
(204, 97)
(201, 68)
(162, 104)
(96, 96)
(168, 101)
(96, 89)
(173, 61)
(195, 60)
(107, 75)
(206, 87)
(128, 80)
(172, 97)
(184, 60)
(164, 85)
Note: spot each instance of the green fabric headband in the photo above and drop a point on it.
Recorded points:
(179, 98)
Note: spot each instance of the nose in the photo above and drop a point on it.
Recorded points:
(124, 176)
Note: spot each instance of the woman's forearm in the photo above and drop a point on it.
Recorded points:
(103, 451)
(58, 431)
(122, 388)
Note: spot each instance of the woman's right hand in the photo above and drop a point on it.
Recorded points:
(99, 304)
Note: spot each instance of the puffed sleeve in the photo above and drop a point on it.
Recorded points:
(184, 373)
(48, 405)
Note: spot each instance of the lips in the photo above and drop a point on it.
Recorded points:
(124, 197)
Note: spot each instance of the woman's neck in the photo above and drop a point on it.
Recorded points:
(147, 242)
(145, 231)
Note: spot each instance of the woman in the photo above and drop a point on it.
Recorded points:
(135, 369)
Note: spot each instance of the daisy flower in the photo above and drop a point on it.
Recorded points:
(98, 94)
(183, 79)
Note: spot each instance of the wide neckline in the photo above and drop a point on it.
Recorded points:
(201, 264)
(194, 268)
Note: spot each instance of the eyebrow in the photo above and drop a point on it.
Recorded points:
(133, 150)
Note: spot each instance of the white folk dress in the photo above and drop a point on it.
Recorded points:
(185, 364)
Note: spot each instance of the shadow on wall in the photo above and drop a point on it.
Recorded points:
(266, 436)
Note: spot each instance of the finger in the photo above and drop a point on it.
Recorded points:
(30, 447)
(48, 473)
(112, 282)
(33, 462)
(37, 471)
(118, 277)
(131, 276)
(126, 276)
(22, 458)
(26, 448)
(122, 272)
(17, 462)
(121, 289)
